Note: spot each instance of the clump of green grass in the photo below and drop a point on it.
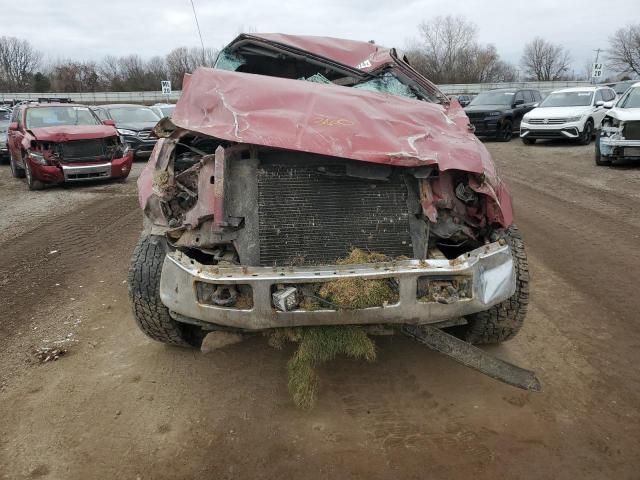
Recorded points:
(355, 293)
(317, 345)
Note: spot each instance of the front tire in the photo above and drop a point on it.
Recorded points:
(16, 171)
(598, 157)
(506, 131)
(32, 183)
(587, 133)
(150, 313)
(503, 321)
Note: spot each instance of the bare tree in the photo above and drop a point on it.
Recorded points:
(544, 61)
(72, 76)
(183, 60)
(18, 62)
(448, 52)
(624, 50)
(444, 44)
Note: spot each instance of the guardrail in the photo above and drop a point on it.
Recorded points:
(157, 97)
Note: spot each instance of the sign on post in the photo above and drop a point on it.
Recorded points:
(166, 87)
(596, 71)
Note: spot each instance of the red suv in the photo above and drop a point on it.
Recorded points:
(55, 143)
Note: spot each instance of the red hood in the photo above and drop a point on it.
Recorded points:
(66, 133)
(361, 55)
(329, 120)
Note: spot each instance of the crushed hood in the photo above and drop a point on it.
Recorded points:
(623, 114)
(329, 120)
(67, 133)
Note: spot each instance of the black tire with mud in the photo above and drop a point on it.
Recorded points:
(144, 293)
(598, 156)
(587, 133)
(506, 131)
(16, 171)
(503, 321)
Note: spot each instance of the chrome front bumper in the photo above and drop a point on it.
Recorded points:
(490, 268)
(78, 173)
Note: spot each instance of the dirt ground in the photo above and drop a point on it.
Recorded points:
(121, 406)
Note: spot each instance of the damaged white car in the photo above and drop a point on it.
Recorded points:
(619, 137)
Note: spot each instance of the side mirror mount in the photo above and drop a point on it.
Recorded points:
(599, 103)
(517, 103)
(607, 105)
(13, 126)
(536, 105)
(109, 122)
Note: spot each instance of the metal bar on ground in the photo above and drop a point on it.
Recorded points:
(473, 357)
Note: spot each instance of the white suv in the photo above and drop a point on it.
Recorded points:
(619, 137)
(572, 113)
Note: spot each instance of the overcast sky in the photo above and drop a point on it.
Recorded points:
(91, 29)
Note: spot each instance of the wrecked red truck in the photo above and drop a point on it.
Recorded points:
(53, 142)
(292, 153)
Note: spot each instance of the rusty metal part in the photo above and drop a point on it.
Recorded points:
(472, 357)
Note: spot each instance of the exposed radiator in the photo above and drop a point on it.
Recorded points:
(312, 217)
(83, 150)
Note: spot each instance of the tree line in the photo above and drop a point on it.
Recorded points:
(447, 50)
(22, 70)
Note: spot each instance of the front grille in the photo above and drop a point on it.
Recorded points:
(311, 217)
(146, 135)
(83, 150)
(547, 121)
(546, 134)
(476, 116)
(631, 131)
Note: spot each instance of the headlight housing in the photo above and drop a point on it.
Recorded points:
(577, 118)
(124, 131)
(525, 118)
(38, 158)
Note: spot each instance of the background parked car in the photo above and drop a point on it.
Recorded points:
(464, 99)
(163, 109)
(5, 119)
(134, 123)
(619, 136)
(621, 87)
(570, 113)
(54, 143)
(497, 113)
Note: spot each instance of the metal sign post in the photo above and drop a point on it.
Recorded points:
(166, 88)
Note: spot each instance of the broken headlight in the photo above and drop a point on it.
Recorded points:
(38, 158)
(466, 194)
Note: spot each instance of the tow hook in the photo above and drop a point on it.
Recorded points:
(472, 357)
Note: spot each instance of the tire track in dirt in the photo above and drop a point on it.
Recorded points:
(29, 271)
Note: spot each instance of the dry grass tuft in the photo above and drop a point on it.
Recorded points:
(317, 345)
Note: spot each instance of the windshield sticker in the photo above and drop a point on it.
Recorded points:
(365, 64)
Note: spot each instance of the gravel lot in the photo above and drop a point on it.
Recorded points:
(121, 406)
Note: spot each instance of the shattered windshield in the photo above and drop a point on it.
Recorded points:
(265, 62)
(57, 116)
(387, 83)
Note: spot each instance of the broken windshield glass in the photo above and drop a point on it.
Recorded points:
(229, 61)
(387, 83)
